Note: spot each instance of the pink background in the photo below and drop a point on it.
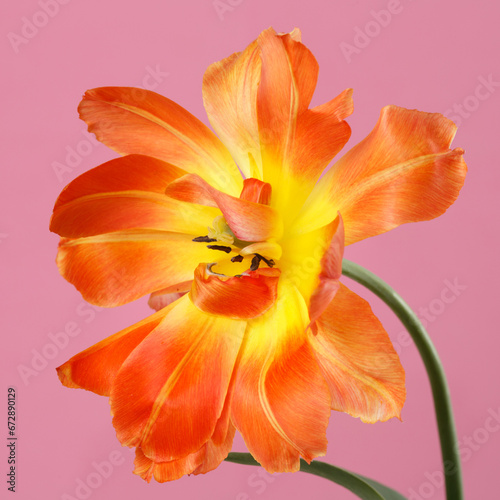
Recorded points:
(430, 55)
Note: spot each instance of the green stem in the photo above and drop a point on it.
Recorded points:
(435, 372)
(361, 486)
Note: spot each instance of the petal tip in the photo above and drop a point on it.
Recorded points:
(295, 34)
(64, 374)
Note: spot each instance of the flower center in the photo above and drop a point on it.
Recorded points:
(250, 254)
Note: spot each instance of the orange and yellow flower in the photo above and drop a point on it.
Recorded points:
(240, 244)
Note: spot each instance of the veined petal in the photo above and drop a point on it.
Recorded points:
(95, 368)
(170, 392)
(278, 106)
(167, 471)
(320, 135)
(401, 172)
(248, 221)
(116, 268)
(303, 65)
(281, 401)
(207, 458)
(120, 211)
(257, 101)
(216, 453)
(126, 193)
(128, 173)
(358, 360)
(230, 97)
(297, 143)
(289, 75)
(240, 297)
(137, 121)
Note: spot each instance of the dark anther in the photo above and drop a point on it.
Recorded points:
(204, 239)
(237, 258)
(269, 262)
(220, 247)
(255, 262)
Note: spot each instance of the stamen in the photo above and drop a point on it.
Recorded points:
(269, 262)
(255, 262)
(204, 239)
(220, 247)
(237, 258)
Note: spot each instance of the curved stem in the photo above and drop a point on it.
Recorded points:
(361, 486)
(435, 372)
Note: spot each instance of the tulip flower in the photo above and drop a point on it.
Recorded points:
(239, 239)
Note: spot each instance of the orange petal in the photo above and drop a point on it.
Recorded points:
(207, 458)
(137, 121)
(230, 91)
(216, 453)
(278, 105)
(303, 66)
(170, 393)
(126, 193)
(95, 368)
(358, 360)
(257, 101)
(167, 471)
(129, 173)
(331, 271)
(248, 221)
(281, 401)
(256, 191)
(116, 268)
(402, 172)
(121, 211)
(297, 143)
(320, 135)
(239, 297)
(219, 445)
(289, 75)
